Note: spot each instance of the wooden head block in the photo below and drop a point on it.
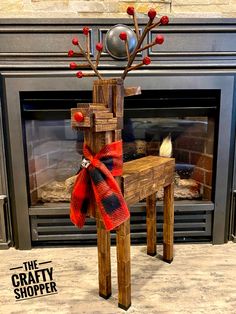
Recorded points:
(111, 93)
(96, 117)
(87, 111)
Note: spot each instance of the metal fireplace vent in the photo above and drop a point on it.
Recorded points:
(189, 226)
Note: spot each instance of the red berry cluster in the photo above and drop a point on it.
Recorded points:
(159, 39)
(151, 13)
(71, 53)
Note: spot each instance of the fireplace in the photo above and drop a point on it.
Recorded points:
(54, 153)
(191, 104)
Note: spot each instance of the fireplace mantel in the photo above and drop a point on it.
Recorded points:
(190, 43)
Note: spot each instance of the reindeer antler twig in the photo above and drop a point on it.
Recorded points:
(131, 11)
(158, 40)
(86, 55)
(123, 36)
(99, 48)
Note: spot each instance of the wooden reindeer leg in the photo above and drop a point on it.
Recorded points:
(123, 265)
(103, 92)
(96, 141)
(151, 224)
(168, 226)
(104, 260)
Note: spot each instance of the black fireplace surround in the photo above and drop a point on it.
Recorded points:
(196, 66)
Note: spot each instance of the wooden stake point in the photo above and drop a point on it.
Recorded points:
(106, 297)
(125, 308)
(168, 261)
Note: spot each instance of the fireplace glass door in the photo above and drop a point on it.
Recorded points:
(186, 120)
(53, 148)
(192, 141)
(54, 155)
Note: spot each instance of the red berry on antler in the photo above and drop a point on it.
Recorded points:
(159, 39)
(164, 20)
(79, 74)
(146, 60)
(123, 36)
(75, 41)
(152, 14)
(130, 10)
(73, 65)
(70, 53)
(99, 46)
(86, 31)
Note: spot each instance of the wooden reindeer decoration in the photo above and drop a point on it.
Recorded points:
(102, 123)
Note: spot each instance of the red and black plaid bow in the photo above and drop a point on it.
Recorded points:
(97, 176)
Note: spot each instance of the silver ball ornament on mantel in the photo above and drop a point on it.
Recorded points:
(115, 47)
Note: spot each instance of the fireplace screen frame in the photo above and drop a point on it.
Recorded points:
(14, 83)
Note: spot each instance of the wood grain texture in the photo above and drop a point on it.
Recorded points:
(168, 225)
(151, 224)
(132, 91)
(104, 259)
(144, 176)
(123, 265)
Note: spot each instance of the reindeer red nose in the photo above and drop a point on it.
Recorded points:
(78, 116)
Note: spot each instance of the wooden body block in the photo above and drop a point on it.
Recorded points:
(143, 177)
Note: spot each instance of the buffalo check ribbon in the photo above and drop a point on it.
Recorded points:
(97, 176)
